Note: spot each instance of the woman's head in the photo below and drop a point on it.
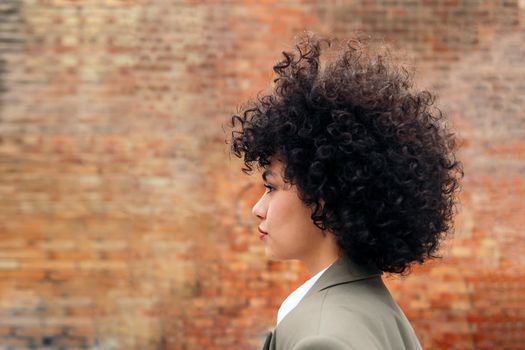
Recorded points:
(370, 158)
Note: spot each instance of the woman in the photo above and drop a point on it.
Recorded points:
(361, 179)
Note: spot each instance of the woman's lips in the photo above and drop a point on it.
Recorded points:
(262, 234)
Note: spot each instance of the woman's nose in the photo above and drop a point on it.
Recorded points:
(258, 209)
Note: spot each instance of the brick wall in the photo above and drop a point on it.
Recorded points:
(125, 225)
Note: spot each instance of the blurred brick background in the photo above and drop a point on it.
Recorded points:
(125, 225)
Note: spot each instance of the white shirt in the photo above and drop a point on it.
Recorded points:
(297, 295)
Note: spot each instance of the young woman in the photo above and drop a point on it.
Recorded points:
(361, 179)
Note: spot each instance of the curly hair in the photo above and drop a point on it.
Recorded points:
(375, 160)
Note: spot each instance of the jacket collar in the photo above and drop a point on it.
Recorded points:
(343, 270)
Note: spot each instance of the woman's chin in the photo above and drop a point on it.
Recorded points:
(273, 257)
(270, 255)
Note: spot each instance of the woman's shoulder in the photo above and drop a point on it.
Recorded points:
(361, 314)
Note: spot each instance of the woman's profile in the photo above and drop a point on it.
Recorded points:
(361, 179)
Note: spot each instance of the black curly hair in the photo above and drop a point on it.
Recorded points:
(374, 160)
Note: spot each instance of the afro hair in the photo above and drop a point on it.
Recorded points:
(374, 159)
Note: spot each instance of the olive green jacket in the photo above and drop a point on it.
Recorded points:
(348, 307)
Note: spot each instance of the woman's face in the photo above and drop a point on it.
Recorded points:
(289, 231)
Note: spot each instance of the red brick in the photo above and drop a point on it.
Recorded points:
(119, 206)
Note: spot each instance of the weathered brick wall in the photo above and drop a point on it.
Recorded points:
(125, 225)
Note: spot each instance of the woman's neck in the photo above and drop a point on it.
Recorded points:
(323, 256)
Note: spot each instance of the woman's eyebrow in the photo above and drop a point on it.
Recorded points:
(268, 173)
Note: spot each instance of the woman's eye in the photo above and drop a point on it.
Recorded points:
(270, 188)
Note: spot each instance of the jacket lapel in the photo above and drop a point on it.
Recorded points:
(272, 345)
(268, 340)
